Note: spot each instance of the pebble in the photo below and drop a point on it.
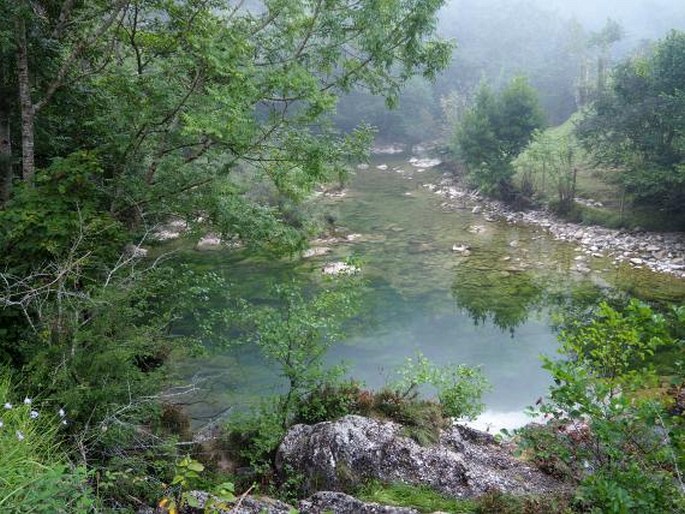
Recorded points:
(661, 252)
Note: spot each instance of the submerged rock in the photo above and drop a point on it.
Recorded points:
(342, 454)
(424, 163)
(209, 242)
(339, 268)
(388, 149)
(461, 248)
(316, 251)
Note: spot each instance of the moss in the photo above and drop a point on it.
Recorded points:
(420, 498)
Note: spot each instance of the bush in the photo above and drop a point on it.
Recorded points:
(613, 425)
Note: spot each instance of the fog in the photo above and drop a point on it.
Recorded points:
(556, 44)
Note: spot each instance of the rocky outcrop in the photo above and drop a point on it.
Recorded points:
(341, 454)
(340, 503)
(324, 502)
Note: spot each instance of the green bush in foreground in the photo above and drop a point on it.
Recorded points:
(614, 428)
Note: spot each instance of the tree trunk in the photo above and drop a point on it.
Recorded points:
(5, 156)
(28, 166)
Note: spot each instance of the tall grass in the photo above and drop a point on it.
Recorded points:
(35, 475)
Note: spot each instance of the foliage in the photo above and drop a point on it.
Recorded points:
(36, 474)
(494, 131)
(296, 330)
(613, 428)
(139, 111)
(421, 498)
(328, 401)
(459, 388)
(549, 161)
(496, 501)
(180, 497)
(637, 124)
(256, 436)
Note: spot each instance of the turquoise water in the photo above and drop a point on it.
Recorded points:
(489, 308)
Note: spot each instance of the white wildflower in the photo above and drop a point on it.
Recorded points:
(61, 413)
(20, 435)
(33, 414)
(8, 405)
(27, 401)
(2, 423)
(64, 422)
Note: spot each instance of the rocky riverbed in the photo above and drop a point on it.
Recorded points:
(662, 252)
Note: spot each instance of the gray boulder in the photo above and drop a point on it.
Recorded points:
(340, 455)
(340, 503)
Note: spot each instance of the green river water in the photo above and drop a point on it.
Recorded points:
(491, 308)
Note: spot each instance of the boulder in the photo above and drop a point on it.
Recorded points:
(340, 503)
(339, 455)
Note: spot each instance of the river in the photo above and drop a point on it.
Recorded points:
(488, 306)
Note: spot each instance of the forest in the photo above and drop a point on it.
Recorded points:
(399, 215)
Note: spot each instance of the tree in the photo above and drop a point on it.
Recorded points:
(297, 331)
(212, 110)
(494, 131)
(637, 124)
(549, 160)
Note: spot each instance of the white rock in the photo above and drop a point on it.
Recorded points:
(339, 268)
(209, 242)
(316, 252)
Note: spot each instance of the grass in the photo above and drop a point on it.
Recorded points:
(601, 185)
(420, 498)
(35, 475)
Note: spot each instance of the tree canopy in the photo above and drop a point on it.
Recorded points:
(494, 131)
(637, 124)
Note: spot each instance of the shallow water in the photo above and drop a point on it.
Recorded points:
(489, 308)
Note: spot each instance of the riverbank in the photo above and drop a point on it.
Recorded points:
(662, 252)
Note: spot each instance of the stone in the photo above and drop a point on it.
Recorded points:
(461, 248)
(248, 505)
(476, 210)
(342, 454)
(317, 251)
(382, 167)
(339, 268)
(339, 503)
(209, 242)
(424, 163)
(388, 149)
(135, 251)
(637, 261)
